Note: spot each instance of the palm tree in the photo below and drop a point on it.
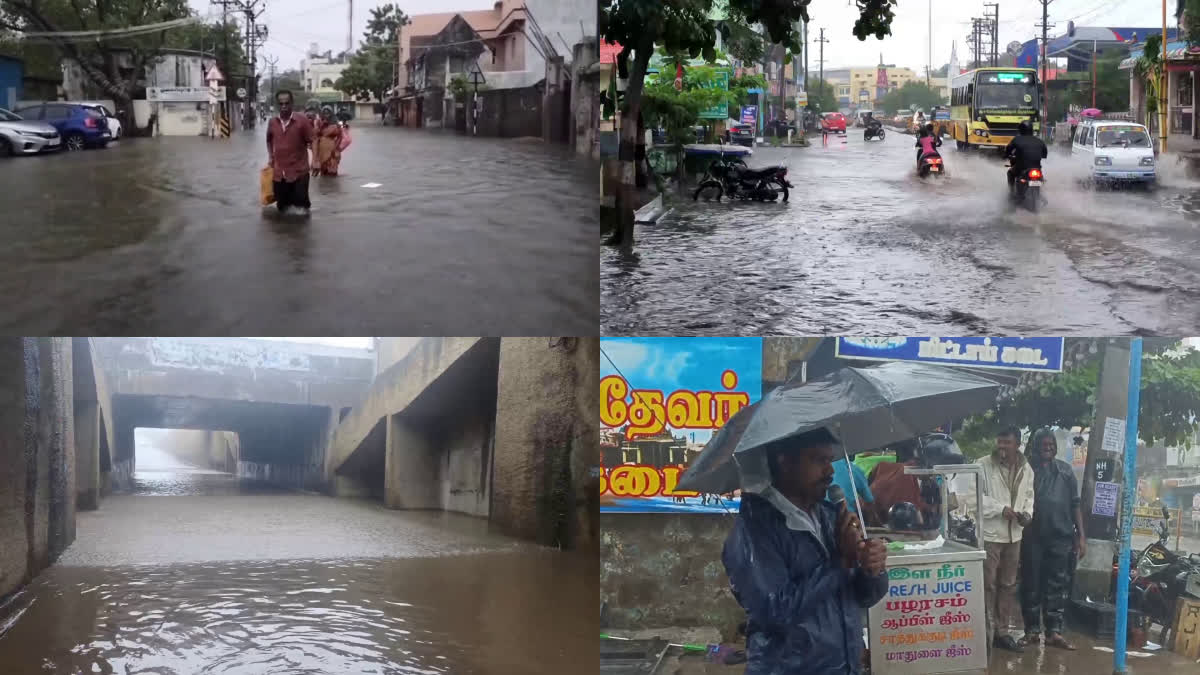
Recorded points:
(1149, 68)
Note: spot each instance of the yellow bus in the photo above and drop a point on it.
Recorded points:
(987, 105)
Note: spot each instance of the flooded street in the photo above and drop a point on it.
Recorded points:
(864, 246)
(166, 236)
(241, 580)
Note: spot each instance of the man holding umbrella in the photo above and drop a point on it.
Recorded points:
(799, 567)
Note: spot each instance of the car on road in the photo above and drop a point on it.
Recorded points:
(114, 124)
(1115, 152)
(79, 125)
(833, 122)
(19, 136)
(740, 133)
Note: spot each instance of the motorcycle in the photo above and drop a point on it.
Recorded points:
(738, 181)
(873, 132)
(931, 165)
(1027, 189)
(1158, 577)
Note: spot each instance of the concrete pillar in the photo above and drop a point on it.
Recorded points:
(13, 467)
(410, 468)
(87, 455)
(546, 443)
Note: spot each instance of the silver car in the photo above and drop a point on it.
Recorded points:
(26, 137)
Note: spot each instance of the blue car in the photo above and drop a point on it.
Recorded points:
(80, 126)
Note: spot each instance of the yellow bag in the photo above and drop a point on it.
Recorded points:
(266, 185)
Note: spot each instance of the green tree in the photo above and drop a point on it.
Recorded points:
(1149, 68)
(1112, 85)
(372, 69)
(100, 59)
(912, 93)
(1170, 401)
(1189, 21)
(290, 80)
(685, 26)
(678, 111)
(821, 97)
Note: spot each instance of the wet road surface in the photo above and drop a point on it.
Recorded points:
(864, 247)
(259, 583)
(165, 236)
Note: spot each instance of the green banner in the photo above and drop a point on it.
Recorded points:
(720, 80)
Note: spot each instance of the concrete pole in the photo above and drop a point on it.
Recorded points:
(1162, 104)
(1131, 434)
(1112, 401)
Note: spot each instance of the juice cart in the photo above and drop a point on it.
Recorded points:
(933, 618)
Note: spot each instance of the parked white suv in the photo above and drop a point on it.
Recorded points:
(1115, 152)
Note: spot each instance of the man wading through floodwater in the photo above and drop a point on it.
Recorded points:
(799, 567)
(289, 139)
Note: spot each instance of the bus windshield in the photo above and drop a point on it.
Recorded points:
(1006, 91)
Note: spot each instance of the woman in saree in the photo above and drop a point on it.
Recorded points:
(329, 145)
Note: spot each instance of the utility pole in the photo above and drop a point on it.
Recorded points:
(821, 58)
(271, 61)
(929, 68)
(1045, 25)
(806, 57)
(349, 27)
(994, 20)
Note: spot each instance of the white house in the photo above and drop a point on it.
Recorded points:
(175, 91)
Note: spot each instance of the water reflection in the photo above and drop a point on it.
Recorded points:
(485, 613)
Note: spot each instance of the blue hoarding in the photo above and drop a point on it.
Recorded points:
(1043, 354)
(661, 400)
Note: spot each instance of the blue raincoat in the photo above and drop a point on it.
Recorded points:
(803, 605)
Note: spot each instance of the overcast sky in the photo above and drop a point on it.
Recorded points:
(293, 24)
(909, 43)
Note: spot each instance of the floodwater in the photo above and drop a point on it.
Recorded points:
(165, 236)
(249, 582)
(865, 247)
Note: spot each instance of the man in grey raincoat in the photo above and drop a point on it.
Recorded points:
(799, 567)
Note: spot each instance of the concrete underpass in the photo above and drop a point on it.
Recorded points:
(415, 505)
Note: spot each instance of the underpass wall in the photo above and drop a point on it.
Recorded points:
(37, 481)
(547, 442)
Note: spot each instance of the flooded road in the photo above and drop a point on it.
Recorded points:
(249, 582)
(165, 236)
(864, 247)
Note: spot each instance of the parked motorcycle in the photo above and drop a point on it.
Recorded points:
(738, 181)
(1027, 189)
(931, 165)
(1158, 577)
(875, 132)
(962, 528)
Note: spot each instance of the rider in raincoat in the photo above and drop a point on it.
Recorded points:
(789, 567)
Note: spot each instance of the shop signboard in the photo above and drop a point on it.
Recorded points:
(720, 80)
(933, 618)
(1146, 519)
(661, 400)
(1042, 354)
(749, 114)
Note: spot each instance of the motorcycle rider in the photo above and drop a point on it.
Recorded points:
(874, 126)
(928, 144)
(1025, 151)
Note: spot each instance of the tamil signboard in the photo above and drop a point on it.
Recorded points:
(182, 94)
(661, 400)
(720, 80)
(933, 618)
(1044, 354)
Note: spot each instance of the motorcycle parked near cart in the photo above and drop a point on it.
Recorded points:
(1158, 577)
(732, 178)
(1027, 189)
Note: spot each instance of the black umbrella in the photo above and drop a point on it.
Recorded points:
(864, 408)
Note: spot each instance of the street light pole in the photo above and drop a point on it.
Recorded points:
(1162, 93)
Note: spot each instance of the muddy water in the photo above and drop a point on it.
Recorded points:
(864, 246)
(244, 581)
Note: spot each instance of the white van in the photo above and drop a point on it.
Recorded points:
(1115, 152)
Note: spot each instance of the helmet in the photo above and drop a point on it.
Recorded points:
(904, 516)
(1026, 128)
(940, 449)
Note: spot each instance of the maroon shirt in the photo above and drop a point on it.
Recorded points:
(289, 143)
